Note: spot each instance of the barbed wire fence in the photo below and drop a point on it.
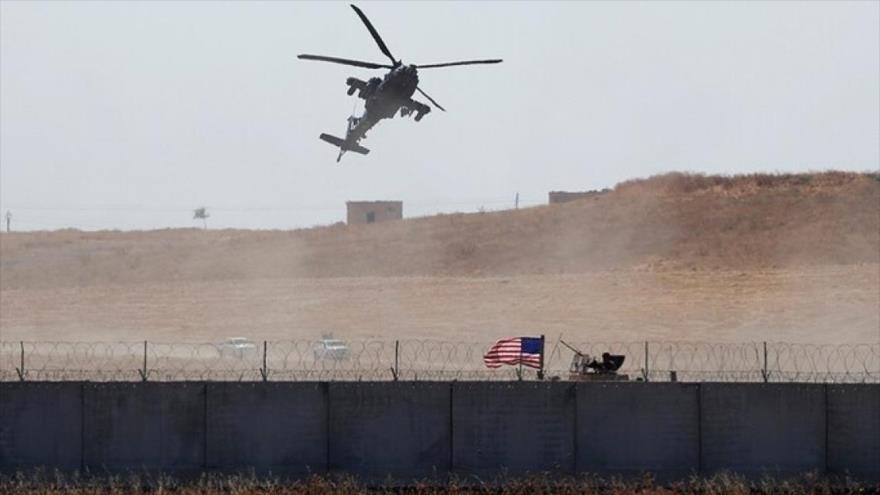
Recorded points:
(427, 360)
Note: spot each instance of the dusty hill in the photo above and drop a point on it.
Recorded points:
(675, 257)
(670, 221)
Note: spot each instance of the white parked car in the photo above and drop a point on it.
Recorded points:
(237, 346)
(330, 348)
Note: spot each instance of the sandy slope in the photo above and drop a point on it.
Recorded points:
(820, 305)
(794, 258)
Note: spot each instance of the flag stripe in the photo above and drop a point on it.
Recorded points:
(510, 351)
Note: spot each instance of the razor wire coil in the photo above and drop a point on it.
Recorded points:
(427, 360)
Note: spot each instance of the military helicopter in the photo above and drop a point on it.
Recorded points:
(385, 96)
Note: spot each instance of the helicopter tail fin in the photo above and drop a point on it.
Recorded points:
(342, 145)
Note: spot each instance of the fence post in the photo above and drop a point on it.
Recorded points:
(645, 369)
(264, 371)
(765, 372)
(396, 370)
(143, 372)
(21, 369)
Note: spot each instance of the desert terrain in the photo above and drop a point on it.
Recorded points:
(677, 257)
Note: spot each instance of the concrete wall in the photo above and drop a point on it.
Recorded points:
(40, 425)
(554, 197)
(378, 211)
(762, 428)
(853, 419)
(518, 427)
(631, 428)
(424, 429)
(380, 428)
(144, 426)
(270, 427)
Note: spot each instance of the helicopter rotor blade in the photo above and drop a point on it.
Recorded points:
(429, 98)
(375, 34)
(464, 62)
(344, 61)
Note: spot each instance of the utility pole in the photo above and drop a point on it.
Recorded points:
(8, 220)
(516, 202)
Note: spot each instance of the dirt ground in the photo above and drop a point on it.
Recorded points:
(683, 258)
(831, 304)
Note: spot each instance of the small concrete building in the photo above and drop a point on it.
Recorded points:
(373, 211)
(566, 196)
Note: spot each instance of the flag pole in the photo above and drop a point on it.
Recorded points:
(519, 374)
(541, 369)
(519, 371)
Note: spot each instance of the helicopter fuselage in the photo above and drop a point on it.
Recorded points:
(395, 90)
(383, 97)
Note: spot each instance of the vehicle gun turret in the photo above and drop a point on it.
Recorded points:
(588, 368)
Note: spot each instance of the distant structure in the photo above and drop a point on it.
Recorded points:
(373, 211)
(8, 220)
(566, 196)
(201, 213)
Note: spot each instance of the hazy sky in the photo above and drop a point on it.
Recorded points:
(129, 115)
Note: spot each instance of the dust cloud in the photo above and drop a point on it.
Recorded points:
(675, 257)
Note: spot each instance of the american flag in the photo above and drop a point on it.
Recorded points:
(515, 350)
